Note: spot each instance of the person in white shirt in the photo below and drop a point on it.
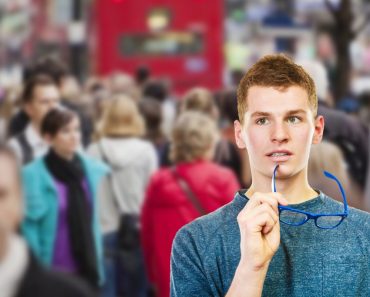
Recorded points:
(40, 94)
(132, 161)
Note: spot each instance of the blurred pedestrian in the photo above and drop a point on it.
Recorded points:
(151, 110)
(56, 70)
(158, 90)
(40, 94)
(342, 129)
(132, 160)
(229, 114)
(226, 154)
(20, 273)
(177, 195)
(61, 223)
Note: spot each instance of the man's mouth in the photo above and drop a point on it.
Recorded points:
(281, 156)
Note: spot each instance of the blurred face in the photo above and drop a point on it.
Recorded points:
(67, 141)
(278, 128)
(10, 199)
(44, 98)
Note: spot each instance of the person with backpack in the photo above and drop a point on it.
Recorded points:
(194, 186)
(132, 161)
(40, 94)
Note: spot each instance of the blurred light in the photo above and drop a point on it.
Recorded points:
(158, 19)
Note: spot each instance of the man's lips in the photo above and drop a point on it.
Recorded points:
(279, 155)
(279, 152)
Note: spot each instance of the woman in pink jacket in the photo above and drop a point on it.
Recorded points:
(177, 195)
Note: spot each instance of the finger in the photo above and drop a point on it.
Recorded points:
(248, 219)
(262, 221)
(271, 198)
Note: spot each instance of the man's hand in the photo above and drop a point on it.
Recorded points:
(259, 240)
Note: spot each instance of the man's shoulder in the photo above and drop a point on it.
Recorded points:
(204, 228)
(359, 219)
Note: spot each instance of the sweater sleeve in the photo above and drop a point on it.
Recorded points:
(187, 273)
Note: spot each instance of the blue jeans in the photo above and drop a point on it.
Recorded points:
(124, 269)
(110, 264)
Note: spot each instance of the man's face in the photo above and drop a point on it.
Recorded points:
(278, 128)
(10, 198)
(44, 98)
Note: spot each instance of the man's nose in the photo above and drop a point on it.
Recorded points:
(279, 132)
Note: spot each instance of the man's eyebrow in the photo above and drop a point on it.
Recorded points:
(260, 114)
(296, 111)
(266, 114)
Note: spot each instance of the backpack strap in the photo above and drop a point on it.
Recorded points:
(27, 152)
(189, 193)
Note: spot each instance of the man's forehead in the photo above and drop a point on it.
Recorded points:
(277, 100)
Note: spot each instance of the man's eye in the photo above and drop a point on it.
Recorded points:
(294, 120)
(262, 121)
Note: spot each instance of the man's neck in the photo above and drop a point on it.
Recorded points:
(36, 127)
(295, 189)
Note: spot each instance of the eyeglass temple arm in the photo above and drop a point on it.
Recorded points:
(329, 175)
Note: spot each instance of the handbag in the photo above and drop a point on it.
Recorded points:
(129, 226)
(188, 191)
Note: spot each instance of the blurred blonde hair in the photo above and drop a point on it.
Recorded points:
(122, 118)
(327, 156)
(193, 137)
(199, 99)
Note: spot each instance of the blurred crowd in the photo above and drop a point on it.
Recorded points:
(112, 168)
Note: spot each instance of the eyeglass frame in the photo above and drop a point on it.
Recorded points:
(311, 216)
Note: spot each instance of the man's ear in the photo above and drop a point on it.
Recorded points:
(238, 130)
(319, 129)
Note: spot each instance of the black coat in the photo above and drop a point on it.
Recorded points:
(41, 282)
(351, 136)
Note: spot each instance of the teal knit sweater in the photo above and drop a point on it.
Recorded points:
(309, 262)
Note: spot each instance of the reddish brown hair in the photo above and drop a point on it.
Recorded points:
(275, 71)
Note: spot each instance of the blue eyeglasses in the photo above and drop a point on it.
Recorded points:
(296, 217)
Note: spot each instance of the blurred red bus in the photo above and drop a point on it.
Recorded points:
(181, 40)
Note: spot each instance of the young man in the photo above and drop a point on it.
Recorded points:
(20, 274)
(40, 94)
(243, 249)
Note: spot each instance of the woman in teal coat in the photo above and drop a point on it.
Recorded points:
(61, 221)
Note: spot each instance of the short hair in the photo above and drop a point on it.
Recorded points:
(32, 83)
(199, 99)
(275, 71)
(8, 152)
(155, 89)
(152, 112)
(122, 118)
(47, 65)
(193, 135)
(56, 119)
(229, 105)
